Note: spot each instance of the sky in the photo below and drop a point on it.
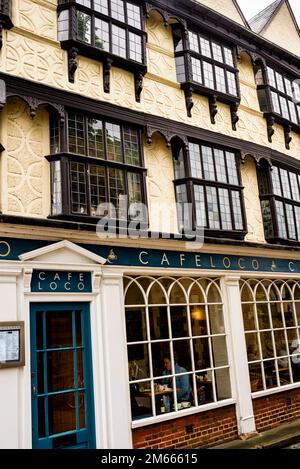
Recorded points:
(250, 8)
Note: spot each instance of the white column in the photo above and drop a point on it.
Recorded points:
(115, 360)
(241, 384)
(9, 377)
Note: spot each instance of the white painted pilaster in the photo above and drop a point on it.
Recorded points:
(115, 360)
(241, 385)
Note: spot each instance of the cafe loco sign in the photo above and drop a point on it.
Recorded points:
(12, 248)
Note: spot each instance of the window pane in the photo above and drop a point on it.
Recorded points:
(249, 317)
(101, 34)
(98, 189)
(232, 88)
(118, 41)
(232, 168)
(220, 165)
(279, 80)
(216, 320)
(83, 27)
(95, 138)
(297, 216)
(200, 206)
(219, 351)
(220, 79)
(276, 181)
(180, 69)
(285, 183)
(223, 388)
(195, 160)
(54, 135)
(284, 107)
(275, 102)
(228, 56)
(63, 26)
(76, 133)
(134, 194)
(158, 319)
(217, 52)
(78, 188)
(205, 47)
(113, 142)
(117, 9)
(293, 112)
(183, 213)
(208, 163)
(294, 187)
(135, 47)
(208, 75)
(56, 188)
(237, 210)
(136, 325)
(271, 76)
(290, 221)
(131, 145)
(212, 207)
(280, 219)
(267, 218)
(101, 6)
(288, 87)
(193, 39)
(134, 15)
(196, 70)
(117, 191)
(179, 166)
(225, 209)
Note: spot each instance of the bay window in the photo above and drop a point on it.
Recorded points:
(208, 178)
(111, 31)
(207, 67)
(280, 202)
(100, 163)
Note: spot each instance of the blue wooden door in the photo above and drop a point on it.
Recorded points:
(62, 381)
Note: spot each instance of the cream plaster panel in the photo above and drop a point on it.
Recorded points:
(28, 174)
(225, 7)
(252, 202)
(37, 17)
(160, 187)
(282, 31)
(158, 34)
(161, 65)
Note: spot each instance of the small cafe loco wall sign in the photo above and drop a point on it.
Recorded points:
(48, 281)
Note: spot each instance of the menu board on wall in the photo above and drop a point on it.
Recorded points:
(11, 344)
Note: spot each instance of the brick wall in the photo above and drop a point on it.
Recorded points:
(195, 431)
(273, 410)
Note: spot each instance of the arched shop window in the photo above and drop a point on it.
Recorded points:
(271, 311)
(177, 345)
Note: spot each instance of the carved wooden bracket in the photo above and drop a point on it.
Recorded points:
(258, 158)
(138, 85)
(287, 136)
(106, 75)
(72, 63)
(2, 94)
(234, 115)
(167, 135)
(188, 93)
(270, 129)
(213, 108)
(1, 33)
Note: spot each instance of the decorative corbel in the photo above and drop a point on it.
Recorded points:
(188, 93)
(27, 275)
(33, 104)
(96, 281)
(138, 85)
(1, 33)
(106, 75)
(213, 108)
(72, 63)
(270, 129)
(287, 136)
(234, 115)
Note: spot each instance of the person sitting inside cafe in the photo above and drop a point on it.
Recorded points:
(183, 387)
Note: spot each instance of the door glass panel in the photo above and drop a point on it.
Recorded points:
(81, 403)
(40, 372)
(60, 370)
(39, 331)
(41, 417)
(62, 413)
(78, 328)
(59, 329)
(80, 374)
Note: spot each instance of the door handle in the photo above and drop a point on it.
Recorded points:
(34, 391)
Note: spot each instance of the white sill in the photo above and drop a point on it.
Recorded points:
(267, 392)
(181, 413)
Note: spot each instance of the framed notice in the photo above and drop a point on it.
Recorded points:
(12, 349)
